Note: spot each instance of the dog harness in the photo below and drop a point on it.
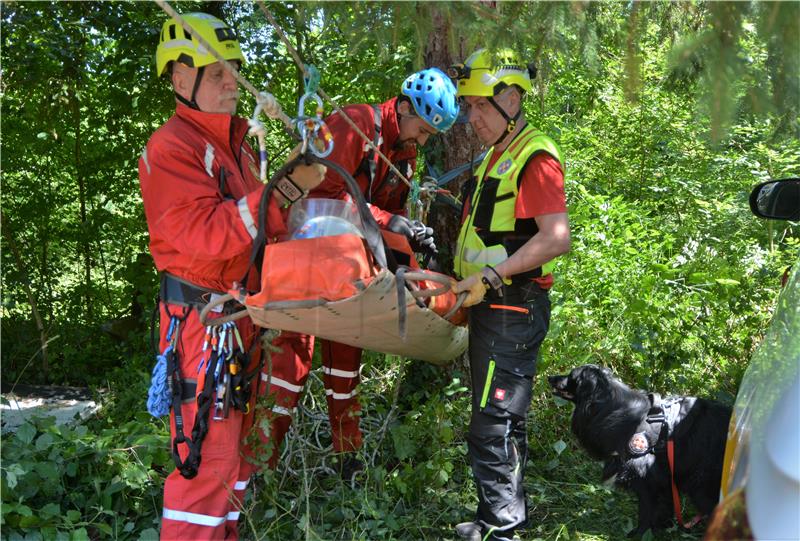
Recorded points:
(649, 436)
(653, 434)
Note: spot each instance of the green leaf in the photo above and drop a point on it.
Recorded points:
(29, 521)
(11, 479)
(727, 282)
(23, 510)
(79, 535)
(404, 446)
(26, 432)
(148, 535)
(73, 516)
(41, 135)
(44, 441)
(50, 510)
(48, 471)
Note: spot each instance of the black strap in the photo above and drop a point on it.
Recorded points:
(192, 103)
(188, 468)
(181, 292)
(511, 122)
(402, 310)
(372, 232)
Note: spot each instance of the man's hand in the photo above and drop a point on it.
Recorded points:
(419, 236)
(475, 288)
(307, 177)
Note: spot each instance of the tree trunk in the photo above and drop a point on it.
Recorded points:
(74, 74)
(460, 145)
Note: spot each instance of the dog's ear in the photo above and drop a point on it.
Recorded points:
(586, 383)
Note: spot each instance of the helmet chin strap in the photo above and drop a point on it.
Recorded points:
(511, 122)
(193, 102)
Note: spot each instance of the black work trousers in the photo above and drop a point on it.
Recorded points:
(504, 338)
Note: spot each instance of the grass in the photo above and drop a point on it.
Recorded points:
(420, 494)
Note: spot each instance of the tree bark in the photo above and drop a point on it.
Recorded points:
(460, 145)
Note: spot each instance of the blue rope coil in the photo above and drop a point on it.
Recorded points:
(158, 397)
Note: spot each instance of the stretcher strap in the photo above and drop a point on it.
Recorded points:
(372, 233)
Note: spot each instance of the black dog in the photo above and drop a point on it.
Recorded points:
(629, 429)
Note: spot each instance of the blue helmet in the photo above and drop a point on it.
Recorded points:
(433, 96)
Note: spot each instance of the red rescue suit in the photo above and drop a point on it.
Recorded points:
(200, 188)
(387, 196)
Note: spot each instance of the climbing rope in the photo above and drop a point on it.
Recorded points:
(159, 395)
(279, 114)
(267, 102)
(309, 452)
(336, 107)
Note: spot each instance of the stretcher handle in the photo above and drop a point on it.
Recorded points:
(446, 286)
(420, 276)
(460, 298)
(219, 301)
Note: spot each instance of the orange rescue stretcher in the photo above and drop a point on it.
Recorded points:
(349, 288)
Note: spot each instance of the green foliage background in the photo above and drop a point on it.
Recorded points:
(668, 113)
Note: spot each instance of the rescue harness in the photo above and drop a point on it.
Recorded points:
(225, 381)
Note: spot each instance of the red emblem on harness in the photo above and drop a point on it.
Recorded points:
(638, 444)
(499, 394)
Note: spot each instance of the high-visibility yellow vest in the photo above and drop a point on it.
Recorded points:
(491, 232)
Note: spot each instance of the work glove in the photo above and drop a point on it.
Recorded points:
(419, 236)
(474, 287)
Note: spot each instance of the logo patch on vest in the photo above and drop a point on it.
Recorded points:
(503, 167)
(638, 444)
(499, 394)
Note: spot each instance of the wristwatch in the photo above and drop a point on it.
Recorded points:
(492, 279)
(289, 189)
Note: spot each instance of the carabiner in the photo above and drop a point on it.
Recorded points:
(312, 129)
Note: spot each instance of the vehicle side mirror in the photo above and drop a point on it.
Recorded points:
(777, 199)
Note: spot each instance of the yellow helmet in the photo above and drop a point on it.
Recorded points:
(176, 44)
(480, 75)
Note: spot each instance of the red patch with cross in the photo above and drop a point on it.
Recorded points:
(499, 394)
